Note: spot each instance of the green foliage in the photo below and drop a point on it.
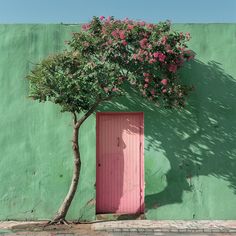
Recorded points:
(71, 81)
(108, 53)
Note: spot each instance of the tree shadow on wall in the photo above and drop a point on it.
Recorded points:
(198, 140)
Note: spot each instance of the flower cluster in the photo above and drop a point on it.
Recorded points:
(146, 55)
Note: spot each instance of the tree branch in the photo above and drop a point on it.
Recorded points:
(74, 118)
(91, 110)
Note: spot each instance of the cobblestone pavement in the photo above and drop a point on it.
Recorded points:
(122, 228)
(170, 226)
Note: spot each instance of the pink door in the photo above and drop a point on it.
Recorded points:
(119, 165)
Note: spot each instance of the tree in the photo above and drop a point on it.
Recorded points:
(103, 58)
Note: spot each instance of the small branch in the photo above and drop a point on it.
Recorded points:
(74, 118)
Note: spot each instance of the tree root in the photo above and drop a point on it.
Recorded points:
(57, 222)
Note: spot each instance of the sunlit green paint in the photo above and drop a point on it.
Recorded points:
(190, 155)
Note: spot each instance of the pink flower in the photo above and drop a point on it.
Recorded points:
(153, 92)
(151, 61)
(122, 34)
(187, 36)
(126, 20)
(115, 89)
(164, 82)
(161, 57)
(172, 68)
(164, 39)
(145, 85)
(146, 74)
(85, 27)
(156, 54)
(124, 43)
(190, 57)
(189, 54)
(135, 56)
(104, 30)
(164, 90)
(114, 33)
(147, 80)
(143, 42)
(130, 27)
(102, 17)
(142, 23)
(180, 61)
(149, 26)
(170, 51)
(140, 59)
(181, 49)
(141, 52)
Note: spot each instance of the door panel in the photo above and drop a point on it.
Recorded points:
(119, 175)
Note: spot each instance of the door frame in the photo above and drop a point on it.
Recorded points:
(141, 157)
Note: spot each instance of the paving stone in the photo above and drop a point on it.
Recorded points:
(207, 230)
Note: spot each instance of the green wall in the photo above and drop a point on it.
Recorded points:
(190, 154)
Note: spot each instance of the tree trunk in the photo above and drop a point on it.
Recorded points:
(61, 213)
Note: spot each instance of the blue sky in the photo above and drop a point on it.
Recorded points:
(79, 11)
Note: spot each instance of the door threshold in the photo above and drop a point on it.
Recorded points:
(120, 216)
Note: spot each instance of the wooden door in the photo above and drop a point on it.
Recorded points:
(119, 164)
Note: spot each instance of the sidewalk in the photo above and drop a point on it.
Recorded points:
(201, 226)
(120, 228)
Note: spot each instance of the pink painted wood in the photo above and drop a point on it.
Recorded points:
(119, 165)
